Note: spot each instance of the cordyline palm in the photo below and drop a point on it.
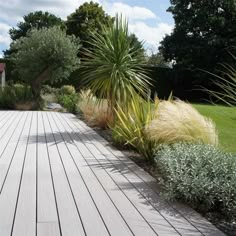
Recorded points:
(113, 67)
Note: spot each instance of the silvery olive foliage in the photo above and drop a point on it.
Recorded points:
(46, 54)
(199, 174)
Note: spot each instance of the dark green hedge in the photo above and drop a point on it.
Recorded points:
(162, 81)
(184, 84)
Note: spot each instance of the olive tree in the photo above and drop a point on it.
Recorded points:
(45, 54)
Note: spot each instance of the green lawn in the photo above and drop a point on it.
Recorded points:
(225, 119)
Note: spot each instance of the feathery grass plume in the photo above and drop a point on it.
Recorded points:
(95, 112)
(177, 121)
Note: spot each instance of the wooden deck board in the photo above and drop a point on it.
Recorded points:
(70, 222)
(58, 177)
(115, 165)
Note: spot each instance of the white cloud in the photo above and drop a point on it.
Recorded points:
(150, 35)
(12, 11)
(4, 36)
(132, 13)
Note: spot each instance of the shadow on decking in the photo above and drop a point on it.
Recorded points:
(148, 192)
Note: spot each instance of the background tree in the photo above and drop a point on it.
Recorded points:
(45, 54)
(203, 32)
(34, 20)
(89, 17)
(157, 59)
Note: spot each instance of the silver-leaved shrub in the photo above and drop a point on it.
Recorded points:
(199, 174)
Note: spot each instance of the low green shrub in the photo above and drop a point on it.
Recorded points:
(69, 102)
(7, 98)
(68, 98)
(15, 94)
(22, 92)
(200, 175)
(46, 89)
(68, 90)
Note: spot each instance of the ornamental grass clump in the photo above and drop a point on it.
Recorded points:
(200, 175)
(129, 125)
(95, 111)
(177, 121)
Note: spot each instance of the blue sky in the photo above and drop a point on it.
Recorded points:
(148, 19)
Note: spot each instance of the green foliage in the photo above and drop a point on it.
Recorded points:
(45, 54)
(68, 98)
(68, 90)
(22, 92)
(12, 95)
(224, 118)
(89, 17)
(113, 68)
(162, 81)
(201, 175)
(69, 102)
(130, 123)
(6, 98)
(157, 59)
(227, 85)
(203, 30)
(47, 89)
(34, 20)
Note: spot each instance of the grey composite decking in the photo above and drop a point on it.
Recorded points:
(59, 177)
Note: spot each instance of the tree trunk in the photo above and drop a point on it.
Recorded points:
(37, 83)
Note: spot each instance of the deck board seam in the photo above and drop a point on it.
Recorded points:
(86, 186)
(22, 171)
(36, 210)
(9, 138)
(11, 123)
(66, 176)
(53, 184)
(1, 189)
(103, 188)
(5, 116)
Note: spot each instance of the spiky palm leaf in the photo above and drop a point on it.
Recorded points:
(113, 67)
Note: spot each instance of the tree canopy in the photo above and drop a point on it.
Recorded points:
(37, 20)
(204, 31)
(88, 18)
(34, 20)
(45, 54)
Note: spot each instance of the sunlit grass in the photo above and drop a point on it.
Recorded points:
(225, 119)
